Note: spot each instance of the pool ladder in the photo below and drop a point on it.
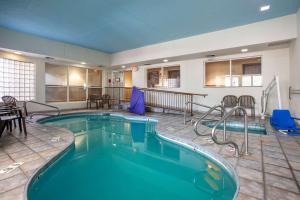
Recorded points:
(224, 117)
(189, 103)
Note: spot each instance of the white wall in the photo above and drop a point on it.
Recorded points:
(274, 62)
(295, 71)
(31, 44)
(278, 29)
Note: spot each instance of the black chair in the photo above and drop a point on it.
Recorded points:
(93, 99)
(105, 99)
(8, 116)
(9, 101)
(248, 102)
(229, 101)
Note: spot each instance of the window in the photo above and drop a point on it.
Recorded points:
(94, 82)
(77, 84)
(67, 83)
(234, 73)
(217, 73)
(17, 79)
(165, 77)
(153, 78)
(56, 83)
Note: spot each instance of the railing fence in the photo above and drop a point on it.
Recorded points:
(170, 100)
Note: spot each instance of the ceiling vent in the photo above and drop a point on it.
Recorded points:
(275, 44)
(49, 58)
(210, 56)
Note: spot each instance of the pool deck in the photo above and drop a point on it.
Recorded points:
(271, 171)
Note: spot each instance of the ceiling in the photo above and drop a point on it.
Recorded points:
(116, 25)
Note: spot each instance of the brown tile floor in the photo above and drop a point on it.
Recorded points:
(271, 171)
(34, 151)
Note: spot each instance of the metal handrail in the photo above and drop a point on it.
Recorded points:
(265, 96)
(214, 108)
(224, 118)
(293, 91)
(39, 113)
(187, 107)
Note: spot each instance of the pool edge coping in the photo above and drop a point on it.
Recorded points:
(179, 141)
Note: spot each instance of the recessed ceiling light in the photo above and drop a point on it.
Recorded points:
(265, 8)
(244, 50)
(123, 66)
(165, 60)
(83, 63)
(17, 52)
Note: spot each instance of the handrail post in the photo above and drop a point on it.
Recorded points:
(246, 133)
(224, 131)
(191, 105)
(184, 114)
(119, 96)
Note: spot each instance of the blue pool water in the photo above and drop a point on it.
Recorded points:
(254, 128)
(116, 158)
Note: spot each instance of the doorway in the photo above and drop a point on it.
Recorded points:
(127, 83)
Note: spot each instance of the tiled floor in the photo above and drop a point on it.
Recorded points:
(33, 151)
(271, 171)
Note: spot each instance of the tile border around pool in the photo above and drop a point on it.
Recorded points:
(49, 162)
(202, 150)
(179, 141)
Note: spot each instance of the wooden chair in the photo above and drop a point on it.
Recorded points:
(247, 102)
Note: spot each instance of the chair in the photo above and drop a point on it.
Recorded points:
(9, 101)
(248, 102)
(282, 120)
(105, 99)
(92, 99)
(229, 101)
(8, 116)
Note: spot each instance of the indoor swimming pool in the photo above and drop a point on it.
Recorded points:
(114, 157)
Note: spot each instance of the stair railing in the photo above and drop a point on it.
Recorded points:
(219, 108)
(40, 113)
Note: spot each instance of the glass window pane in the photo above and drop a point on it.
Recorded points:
(246, 80)
(243, 68)
(94, 77)
(56, 74)
(77, 94)
(153, 77)
(171, 77)
(217, 73)
(14, 81)
(235, 81)
(77, 76)
(56, 94)
(95, 91)
(257, 80)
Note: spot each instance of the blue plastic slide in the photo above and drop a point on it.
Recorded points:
(137, 102)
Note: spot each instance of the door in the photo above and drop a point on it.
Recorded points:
(127, 83)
